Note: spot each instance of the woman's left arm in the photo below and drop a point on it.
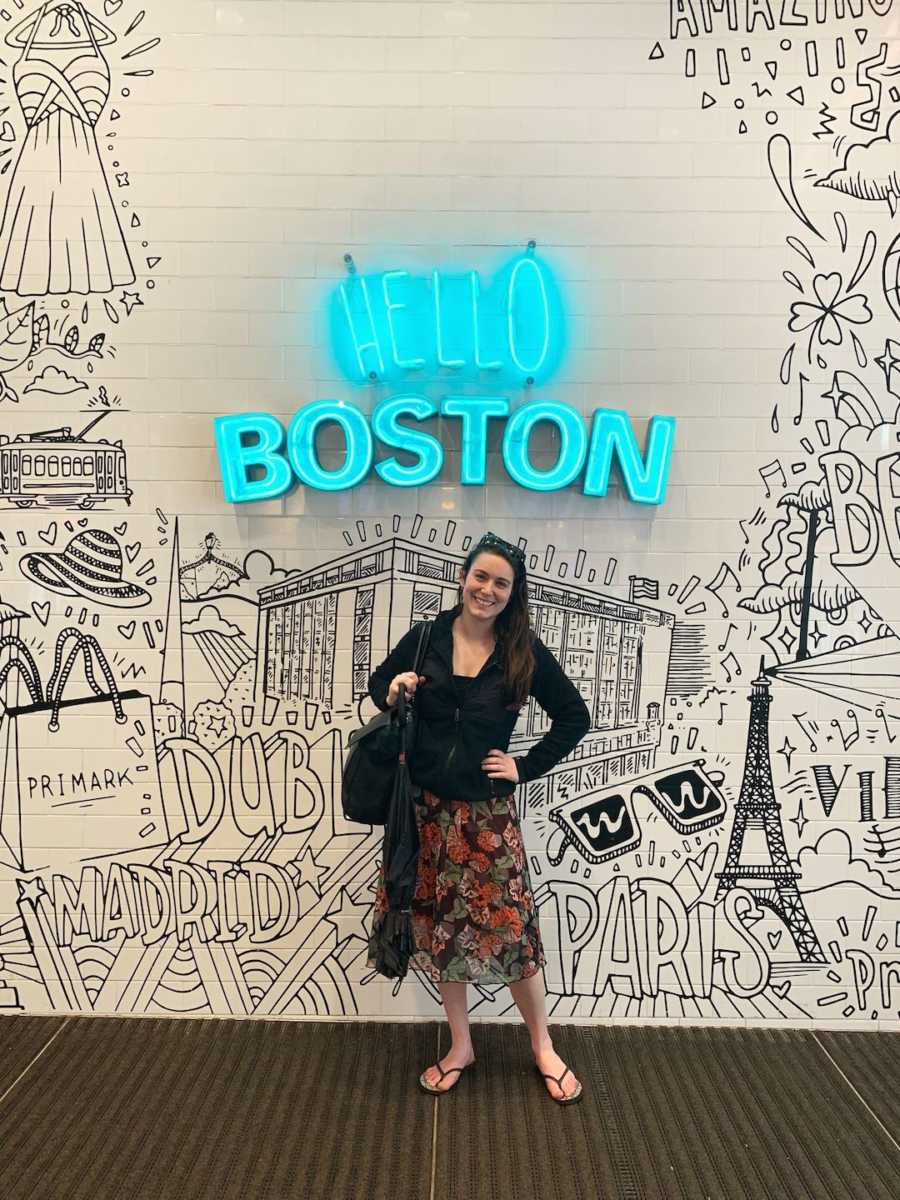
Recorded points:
(569, 716)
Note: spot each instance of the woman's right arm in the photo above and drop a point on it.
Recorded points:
(398, 662)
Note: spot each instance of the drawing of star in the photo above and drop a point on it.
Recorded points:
(33, 890)
(889, 360)
(216, 726)
(835, 394)
(800, 821)
(349, 918)
(307, 870)
(130, 300)
(787, 639)
(122, 179)
(787, 750)
(815, 635)
(865, 623)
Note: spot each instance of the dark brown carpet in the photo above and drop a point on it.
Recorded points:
(21, 1038)
(156, 1109)
(872, 1065)
(679, 1114)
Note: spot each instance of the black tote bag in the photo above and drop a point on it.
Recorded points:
(373, 752)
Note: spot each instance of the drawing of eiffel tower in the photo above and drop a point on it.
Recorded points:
(770, 879)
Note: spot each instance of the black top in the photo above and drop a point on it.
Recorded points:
(455, 731)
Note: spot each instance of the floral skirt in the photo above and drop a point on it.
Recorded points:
(473, 913)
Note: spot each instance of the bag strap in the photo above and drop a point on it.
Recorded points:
(405, 705)
(21, 660)
(422, 648)
(86, 645)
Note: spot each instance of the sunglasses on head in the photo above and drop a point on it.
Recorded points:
(490, 541)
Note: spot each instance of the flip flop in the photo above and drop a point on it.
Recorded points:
(438, 1091)
(573, 1099)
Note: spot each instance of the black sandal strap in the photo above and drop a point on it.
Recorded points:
(558, 1082)
(449, 1071)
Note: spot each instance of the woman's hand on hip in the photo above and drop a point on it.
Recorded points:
(411, 681)
(500, 766)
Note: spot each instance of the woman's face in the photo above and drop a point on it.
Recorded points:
(487, 587)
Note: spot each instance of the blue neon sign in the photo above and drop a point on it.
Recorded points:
(510, 332)
(259, 462)
(395, 326)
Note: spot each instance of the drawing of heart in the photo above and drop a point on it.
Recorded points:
(48, 535)
(120, 529)
(111, 6)
(774, 938)
(127, 631)
(82, 522)
(132, 551)
(7, 133)
(41, 611)
(781, 989)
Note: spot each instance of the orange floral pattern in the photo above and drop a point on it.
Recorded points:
(473, 912)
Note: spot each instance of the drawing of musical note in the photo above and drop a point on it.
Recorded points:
(768, 471)
(723, 574)
(882, 847)
(807, 732)
(851, 737)
(799, 416)
(721, 720)
(879, 712)
(735, 666)
(722, 645)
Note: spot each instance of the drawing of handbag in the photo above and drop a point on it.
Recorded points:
(80, 777)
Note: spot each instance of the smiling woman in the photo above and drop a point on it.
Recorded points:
(473, 912)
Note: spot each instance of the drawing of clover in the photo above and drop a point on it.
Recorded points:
(828, 313)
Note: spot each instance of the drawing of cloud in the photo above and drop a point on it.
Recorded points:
(210, 620)
(870, 169)
(812, 496)
(869, 444)
(831, 862)
(56, 382)
(259, 571)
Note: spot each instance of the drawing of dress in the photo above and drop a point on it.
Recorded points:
(60, 231)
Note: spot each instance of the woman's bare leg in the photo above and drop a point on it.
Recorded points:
(461, 1053)
(529, 997)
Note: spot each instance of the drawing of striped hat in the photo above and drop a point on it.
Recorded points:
(89, 567)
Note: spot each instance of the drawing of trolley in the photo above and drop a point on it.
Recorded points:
(56, 468)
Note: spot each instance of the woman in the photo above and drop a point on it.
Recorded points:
(473, 913)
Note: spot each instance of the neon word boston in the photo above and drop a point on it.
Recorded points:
(256, 444)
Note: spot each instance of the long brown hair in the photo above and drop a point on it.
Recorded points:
(513, 625)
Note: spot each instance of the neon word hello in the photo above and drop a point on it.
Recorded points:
(388, 324)
(257, 444)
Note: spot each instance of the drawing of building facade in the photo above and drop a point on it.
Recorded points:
(322, 631)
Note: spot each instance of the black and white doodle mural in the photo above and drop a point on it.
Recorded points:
(725, 842)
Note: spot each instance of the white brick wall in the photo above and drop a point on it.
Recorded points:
(270, 139)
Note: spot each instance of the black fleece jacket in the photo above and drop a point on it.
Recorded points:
(452, 738)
